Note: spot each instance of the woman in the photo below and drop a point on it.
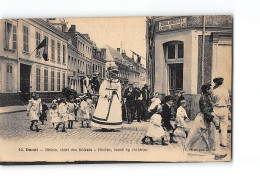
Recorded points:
(108, 114)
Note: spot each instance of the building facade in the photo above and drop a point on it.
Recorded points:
(80, 59)
(187, 51)
(28, 71)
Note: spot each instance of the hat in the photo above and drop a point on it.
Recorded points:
(146, 85)
(183, 101)
(53, 105)
(130, 83)
(205, 87)
(218, 80)
(112, 67)
(167, 98)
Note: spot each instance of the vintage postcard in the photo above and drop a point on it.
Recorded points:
(121, 89)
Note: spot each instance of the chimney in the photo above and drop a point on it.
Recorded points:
(123, 53)
(118, 49)
(72, 28)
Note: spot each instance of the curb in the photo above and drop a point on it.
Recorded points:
(12, 112)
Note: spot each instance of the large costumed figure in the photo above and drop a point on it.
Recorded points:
(108, 114)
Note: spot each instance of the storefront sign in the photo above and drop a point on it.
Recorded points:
(172, 24)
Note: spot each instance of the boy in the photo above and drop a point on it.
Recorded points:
(182, 118)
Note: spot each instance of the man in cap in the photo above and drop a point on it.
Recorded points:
(129, 96)
(167, 116)
(221, 101)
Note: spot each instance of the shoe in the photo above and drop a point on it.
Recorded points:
(143, 140)
(223, 145)
(187, 134)
(164, 143)
(31, 128)
(173, 141)
(218, 157)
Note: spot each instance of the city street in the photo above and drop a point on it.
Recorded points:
(83, 143)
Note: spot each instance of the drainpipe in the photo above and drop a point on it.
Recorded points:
(203, 47)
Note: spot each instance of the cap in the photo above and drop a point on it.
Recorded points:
(218, 80)
(167, 98)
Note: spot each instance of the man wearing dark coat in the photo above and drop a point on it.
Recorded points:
(129, 96)
(167, 116)
(146, 100)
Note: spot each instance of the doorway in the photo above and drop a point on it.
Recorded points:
(175, 77)
(25, 71)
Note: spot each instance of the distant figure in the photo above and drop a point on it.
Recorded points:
(85, 108)
(43, 116)
(95, 85)
(146, 99)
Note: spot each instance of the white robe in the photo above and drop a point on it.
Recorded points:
(54, 114)
(155, 129)
(108, 113)
(34, 109)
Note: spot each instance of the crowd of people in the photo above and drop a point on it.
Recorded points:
(113, 106)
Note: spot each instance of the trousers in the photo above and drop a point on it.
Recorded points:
(222, 118)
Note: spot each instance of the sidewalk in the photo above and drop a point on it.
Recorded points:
(12, 109)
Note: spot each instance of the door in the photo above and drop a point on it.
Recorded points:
(175, 77)
(25, 71)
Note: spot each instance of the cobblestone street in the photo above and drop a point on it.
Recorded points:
(15, 132)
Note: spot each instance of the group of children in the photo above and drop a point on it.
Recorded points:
(62, 112)
(158, 127)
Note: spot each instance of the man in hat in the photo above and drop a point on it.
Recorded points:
(129, 96)
(108, 114)
(221, 101)
(167, 116)
(95, 85)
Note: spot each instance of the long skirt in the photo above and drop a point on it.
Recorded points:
(34, 115)
(155, 131)
(108, 114)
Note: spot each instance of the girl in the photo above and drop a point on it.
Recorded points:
(54, 114)
(155, 129)
(71, 113)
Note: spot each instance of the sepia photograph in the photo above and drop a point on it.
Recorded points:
(116, 89)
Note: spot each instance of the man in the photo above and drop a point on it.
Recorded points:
(95, 85)
(167, 116)
(129, 96)
(139, 105)
(202, 127)
(220, 99)
(146, 99)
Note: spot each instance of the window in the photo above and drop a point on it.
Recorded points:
(171, 52)
(14, 37)
(9, 76)
(180, 50)
(8, 31)
(38, 79)
(63, 80)
(25, 39)
(45, 80)
(176, 76)
(69, 63)
(38, 41)
(58, 50)
(174, 50)
(64, 54)
(52, 80)
(45, 51)
(52, 50)
(58, 81)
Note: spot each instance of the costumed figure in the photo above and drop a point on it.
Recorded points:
(34, 109)
(108, 114)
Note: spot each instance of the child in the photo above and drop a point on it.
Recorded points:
(182, 118)
(155, 102)
(43, 116)
(155, 129)
(63, 112)
(71, 113)
(85, 111)
(54, 114)
(34, 110)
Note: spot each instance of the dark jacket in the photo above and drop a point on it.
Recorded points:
(146, 95)
(206, 107)
(130, 97)
(166, 117)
